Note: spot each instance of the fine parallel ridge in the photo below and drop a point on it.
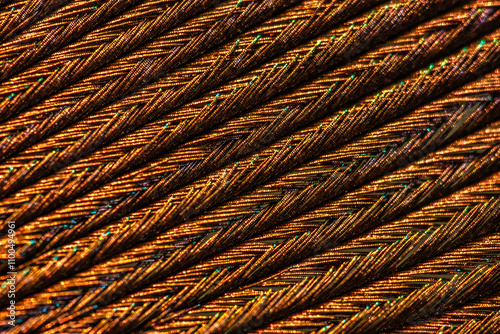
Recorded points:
(373, 148)
(19, 175)
(250, 166)
(338, 278)
(173, 52)
(248, 51)
(404, 196)
(124, 42)
(374, 100)
(474, 317)
(417, 235)
(20, 15)
(54, 31)
(79, 59)
(207, 193)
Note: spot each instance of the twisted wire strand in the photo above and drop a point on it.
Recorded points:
(146, 273)
(269, 166)
(474, 317)
(248, 51)
(52, 230)
(19, 175)
(18, 16)
(484, 254)
(237, 15)
(173, 50)
(454, 109)
(95, 49)
(55, 31)
(30, 244)
(341, 277)
(451, 293)
(261, 260)
(409, 240)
